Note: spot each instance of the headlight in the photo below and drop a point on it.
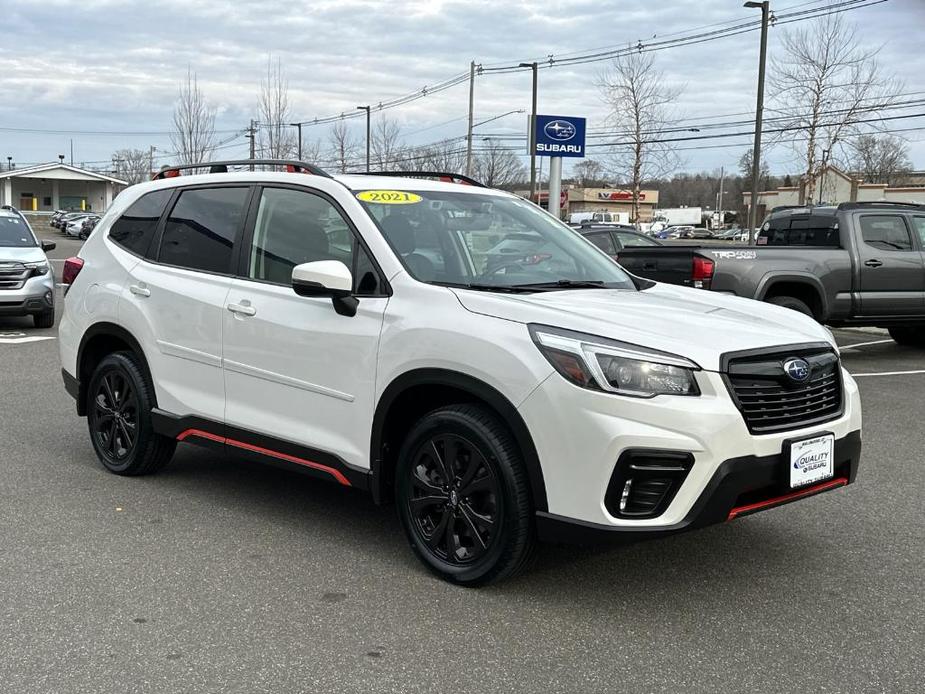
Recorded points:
(38, 268)
(615, 367)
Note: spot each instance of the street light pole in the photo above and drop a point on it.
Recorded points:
(532, 66)
(367, 109)
(299, 126)
(759, 108)
(471, 113)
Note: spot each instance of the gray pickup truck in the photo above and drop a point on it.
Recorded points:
(857, 264)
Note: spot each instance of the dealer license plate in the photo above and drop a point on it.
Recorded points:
(811, 460)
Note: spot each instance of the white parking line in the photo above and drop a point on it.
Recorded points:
(23, 340)
(891, 373)
(864, 344)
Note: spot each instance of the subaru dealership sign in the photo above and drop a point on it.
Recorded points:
(560, 136)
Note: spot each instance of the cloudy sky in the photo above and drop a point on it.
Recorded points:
(105, 73)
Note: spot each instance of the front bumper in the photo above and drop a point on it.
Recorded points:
(731, 466)
(35, 296)
(739, 487)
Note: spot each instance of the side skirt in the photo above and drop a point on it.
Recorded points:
(261, 448)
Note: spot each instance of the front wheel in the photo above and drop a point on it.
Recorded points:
(792, 303)
(463, 496)
(913, 337)
(119, 404)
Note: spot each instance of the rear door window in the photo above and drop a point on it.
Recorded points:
(630, 239)
(886, 232)
(201, 229)
(135, 228)
(603, 241)
(800, 231)
(919, 224)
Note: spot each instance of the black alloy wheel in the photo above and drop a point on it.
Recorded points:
(119, 404)
(463, 496)
(455, 500)
(115, 416)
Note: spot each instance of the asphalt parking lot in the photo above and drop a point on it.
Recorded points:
(220, 576)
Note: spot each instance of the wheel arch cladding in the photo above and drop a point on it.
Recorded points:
(809, 290)
(99, 340)
(414, 394)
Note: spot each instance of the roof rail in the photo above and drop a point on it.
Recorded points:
(881, 203)
(292, 166)
(441, 175)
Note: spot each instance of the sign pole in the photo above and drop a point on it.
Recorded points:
(555, 185)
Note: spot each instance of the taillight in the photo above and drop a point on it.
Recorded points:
(72, 268)
(703, 271)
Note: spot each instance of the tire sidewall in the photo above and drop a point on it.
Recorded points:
(793, 304)
(122, 364)
(445, 422)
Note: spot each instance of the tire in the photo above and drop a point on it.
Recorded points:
(119, 404)
(45, 319)
(792, 303)
(912, 337)
(480, 525)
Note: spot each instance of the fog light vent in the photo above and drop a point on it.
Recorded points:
(645, 481)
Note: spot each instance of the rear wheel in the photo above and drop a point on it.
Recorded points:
(119, 404)
(463, 498)
(792, 303)
(913, 337)
(45, 319)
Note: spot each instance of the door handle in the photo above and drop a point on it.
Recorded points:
(873, 262)
(242, 309)
(139, 290)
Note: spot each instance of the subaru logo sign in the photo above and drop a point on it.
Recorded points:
(560, 136)
(797, 369)
(560, 130)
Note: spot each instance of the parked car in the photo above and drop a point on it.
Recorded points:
(87, 225)
(73, 225)
(27, 282)
(492, 405)
(612, 241)
(859, 264)
(55, 217)
(65, 219)
(699, 233)
(677, 232)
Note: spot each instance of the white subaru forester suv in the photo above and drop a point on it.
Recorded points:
(448, 347)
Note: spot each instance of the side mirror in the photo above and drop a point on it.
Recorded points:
(49, 245)
(326, 278)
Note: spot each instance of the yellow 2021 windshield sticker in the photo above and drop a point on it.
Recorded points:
(389, 197)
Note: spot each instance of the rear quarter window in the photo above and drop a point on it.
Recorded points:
(800, 231)
(135, 228)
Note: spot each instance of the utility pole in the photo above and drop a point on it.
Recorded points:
(72, 151)
(367, 109)
(825, 156)
(252, 134)
(151, 159)
(299, 126)
(471, 111)
(532, 66)
(759, 108)
(719, 205)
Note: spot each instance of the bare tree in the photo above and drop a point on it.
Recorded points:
(342, 147)
(386, 142)
(275, 138)
(880, 159)
(132, 165)
(823, 85)
(446, 156)
(193, 136)
(588, 172)
(498, 166)
(640, 111)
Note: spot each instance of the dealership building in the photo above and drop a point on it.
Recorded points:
(55, 186)
(612, 200)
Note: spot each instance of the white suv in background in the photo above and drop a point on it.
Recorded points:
(364, 329)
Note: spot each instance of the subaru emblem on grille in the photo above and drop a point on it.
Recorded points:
(797, 369)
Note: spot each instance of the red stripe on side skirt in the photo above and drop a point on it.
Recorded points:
(336, 474)
(815, 489)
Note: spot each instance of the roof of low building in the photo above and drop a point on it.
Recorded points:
(86, 174)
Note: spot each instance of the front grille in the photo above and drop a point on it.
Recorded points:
(13, 275)
(770, 400)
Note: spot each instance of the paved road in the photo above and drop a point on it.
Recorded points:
(221, 576)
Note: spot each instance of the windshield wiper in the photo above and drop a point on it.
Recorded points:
(508, 288)
(566, 284)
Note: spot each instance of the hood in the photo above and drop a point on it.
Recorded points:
(693, 323)
(10, 254)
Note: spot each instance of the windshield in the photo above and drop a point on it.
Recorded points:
(487, 242)
(14, 233)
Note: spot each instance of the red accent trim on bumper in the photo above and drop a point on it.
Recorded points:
(336, 474)
(776, 501)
